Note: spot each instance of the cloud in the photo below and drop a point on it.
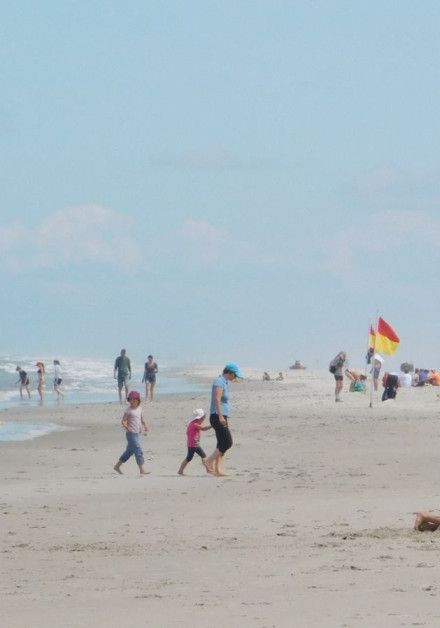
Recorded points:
(214, 158)
(90, 234)
(203, 244)
(391, 240)
(387, 243)
(379, 180)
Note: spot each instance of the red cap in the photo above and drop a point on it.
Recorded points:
(133, 394)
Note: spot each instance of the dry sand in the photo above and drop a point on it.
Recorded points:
(312, 528)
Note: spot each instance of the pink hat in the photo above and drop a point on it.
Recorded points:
(133, 394)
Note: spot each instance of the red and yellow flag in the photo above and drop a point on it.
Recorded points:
(387, 340)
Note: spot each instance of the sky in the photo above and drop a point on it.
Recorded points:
(211, 181)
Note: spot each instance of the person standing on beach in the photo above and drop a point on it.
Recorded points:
(41, 374)
(122, 372)
(375, 369)
(336, 367)
(220, 411)
(23, 381)
(150, 370)
(133, 422)
(57, 380)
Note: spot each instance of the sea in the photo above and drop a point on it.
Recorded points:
(85, 380)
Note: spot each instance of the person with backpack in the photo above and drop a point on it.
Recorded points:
(336, 367)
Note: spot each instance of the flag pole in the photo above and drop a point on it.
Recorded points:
(370, 327)
(372, 359)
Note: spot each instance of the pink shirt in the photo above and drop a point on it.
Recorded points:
(134, 419)
(193, 433)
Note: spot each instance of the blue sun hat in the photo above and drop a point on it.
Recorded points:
(234, 369)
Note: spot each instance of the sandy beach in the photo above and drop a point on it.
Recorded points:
(313, 527)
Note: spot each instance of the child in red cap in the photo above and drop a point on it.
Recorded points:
(133, 422)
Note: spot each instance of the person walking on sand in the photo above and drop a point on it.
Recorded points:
(150, 370)
(57, 380)
(23, 381)
(122, 372)
(41, 375)
(220, 411)
(193, 439)
(133, 422)
(336, 367)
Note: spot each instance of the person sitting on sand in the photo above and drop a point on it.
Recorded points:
(405, 379)
(23, 381)
(354, 375)
(434, 378)
(390, 382)
(357, 380)
(280, 377)
(297, 365)
(193, 439)
(426, 521)
(266, 377)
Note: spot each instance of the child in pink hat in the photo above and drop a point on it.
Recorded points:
(133, 422)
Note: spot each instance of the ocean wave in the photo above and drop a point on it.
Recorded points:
(85, 380)
(18, 431)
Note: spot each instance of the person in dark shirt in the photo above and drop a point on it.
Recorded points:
(122, 372)
(23, 381)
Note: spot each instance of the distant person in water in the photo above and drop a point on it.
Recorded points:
(220, 411)
(23, 381)
(57, 380)
(266, 377)
(122, 372)
(41, 372)
(150, 370)
(280, 377)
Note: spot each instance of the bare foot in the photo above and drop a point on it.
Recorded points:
(117, 469)
(145, 472)
(180, 473)
(418, 521)
(220, 474)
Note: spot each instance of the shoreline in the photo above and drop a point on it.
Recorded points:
(314, 521)
(188, 384)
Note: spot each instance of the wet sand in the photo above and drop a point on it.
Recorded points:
(312, 528)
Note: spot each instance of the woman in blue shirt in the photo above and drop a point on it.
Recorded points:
(219, 413)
